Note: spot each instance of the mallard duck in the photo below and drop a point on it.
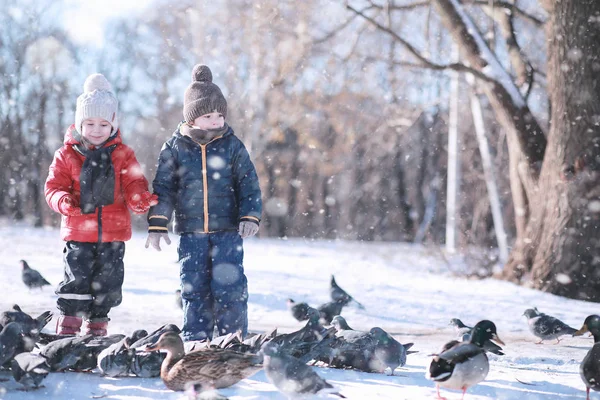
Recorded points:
(459, 365)
(590, 366)
(463, 333)
(213, 368)
(545, 326)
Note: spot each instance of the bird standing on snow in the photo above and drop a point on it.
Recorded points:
(340, 295)
(212, 368)
(545, 326)
(589, 369)
(459, 365)
(31, 277)
(463, 332)
(29, 369)
(291, 376)
(300, 311)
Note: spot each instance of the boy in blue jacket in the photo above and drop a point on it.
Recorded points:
(206, 179)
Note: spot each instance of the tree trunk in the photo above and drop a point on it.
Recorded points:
(563, 234)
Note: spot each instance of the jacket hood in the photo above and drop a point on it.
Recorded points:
(72, 137)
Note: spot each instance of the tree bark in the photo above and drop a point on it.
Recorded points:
(563, 233)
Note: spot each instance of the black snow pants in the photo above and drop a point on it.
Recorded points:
(93, 279)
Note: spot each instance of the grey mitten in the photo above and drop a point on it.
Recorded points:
(247, 229)
(154, 239)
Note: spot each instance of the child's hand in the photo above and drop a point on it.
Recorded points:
(247, 229)
(154, 239)
(69, 206)
(141, 203)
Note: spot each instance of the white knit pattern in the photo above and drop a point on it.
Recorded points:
(97, 101)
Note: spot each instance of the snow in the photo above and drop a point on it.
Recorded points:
(406, 289)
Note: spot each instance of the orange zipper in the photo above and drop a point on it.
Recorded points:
(205, 186)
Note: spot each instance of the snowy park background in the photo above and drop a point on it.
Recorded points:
(406, 289)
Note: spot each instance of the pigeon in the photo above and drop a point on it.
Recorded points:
(29, 369)
(340, 295)
(32, 278)
(302, 341)
(388, 351)
(589, 369)
(31, 326)
(464, 335)
(153, 337)
(291, 376)
(79, 353)
(329, 310)
(146, 364)
(372, 351)
(11, 339)
(299, 311)
(460, 365)
(115, 360)
(178, 299)
(545, 326)
(463, 332)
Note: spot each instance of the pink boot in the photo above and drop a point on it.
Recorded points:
(97, 327)
(68, 325)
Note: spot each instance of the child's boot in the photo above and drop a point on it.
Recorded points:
(97, 326)
(68, 325)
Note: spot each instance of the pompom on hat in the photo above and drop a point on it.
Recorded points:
(202, 96)
(97, 101)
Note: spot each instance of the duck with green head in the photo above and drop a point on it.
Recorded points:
(460, 365)
(589, 369)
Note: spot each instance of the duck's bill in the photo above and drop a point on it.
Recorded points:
(583, 330)
(497, 339)
(151, 348)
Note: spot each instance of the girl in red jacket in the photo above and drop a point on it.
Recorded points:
(93, 178)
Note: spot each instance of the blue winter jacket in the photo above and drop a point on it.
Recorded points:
(209, 187)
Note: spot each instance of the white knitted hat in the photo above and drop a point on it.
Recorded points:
(97, 101)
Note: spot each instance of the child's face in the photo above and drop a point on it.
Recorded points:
(214, 120)
(96, 130)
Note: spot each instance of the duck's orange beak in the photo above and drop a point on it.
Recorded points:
(496, 338)
(583, 330)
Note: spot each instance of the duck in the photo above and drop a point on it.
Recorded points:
(212, 368)
(463, 333)
(460, 365)
(546, 327)
(589, 369)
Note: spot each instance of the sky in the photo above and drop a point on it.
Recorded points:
(86, 19)
(408, 290)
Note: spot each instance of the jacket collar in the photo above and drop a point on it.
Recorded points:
(73, 137)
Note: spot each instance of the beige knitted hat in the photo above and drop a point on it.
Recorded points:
(202, 96)
(97, 101)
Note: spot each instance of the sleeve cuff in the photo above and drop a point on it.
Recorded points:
(250, 218)
(158, 224)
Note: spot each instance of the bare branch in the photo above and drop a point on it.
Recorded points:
(426, 63)
(339, 28)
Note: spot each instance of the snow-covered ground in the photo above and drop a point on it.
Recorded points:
(406, 290)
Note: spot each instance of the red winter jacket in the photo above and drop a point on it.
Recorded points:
(113, 222)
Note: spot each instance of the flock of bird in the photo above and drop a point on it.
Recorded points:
(202, 367)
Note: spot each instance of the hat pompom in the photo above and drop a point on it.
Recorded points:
(201, 73)
(96, 82)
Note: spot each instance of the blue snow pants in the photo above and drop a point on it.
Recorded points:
(214, 288)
